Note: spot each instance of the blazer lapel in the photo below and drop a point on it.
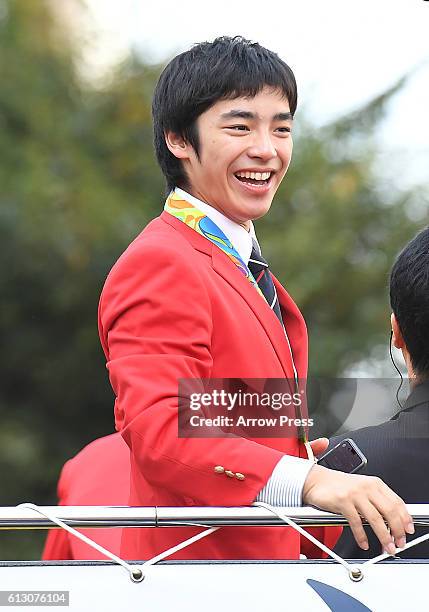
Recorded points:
(197, 241)
(296, 329)
(267, 318)
(292, 317)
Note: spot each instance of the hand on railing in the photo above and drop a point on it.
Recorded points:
(356, 496)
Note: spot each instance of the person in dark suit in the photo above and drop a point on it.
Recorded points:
(398, 450)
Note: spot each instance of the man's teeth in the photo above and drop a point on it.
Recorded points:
(257, 176)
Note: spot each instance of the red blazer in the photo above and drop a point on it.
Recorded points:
(98, 475)
(174, 306)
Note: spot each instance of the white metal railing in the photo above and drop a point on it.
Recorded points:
(210, 518)
(122, 516)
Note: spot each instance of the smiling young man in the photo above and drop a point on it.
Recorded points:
(192, 298)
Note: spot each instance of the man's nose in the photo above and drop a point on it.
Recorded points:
(262, 147)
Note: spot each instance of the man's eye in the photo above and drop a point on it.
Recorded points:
(241, 128)
(284, 130)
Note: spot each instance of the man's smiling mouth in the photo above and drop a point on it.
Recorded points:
(254, 178)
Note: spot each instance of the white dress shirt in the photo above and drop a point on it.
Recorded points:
(285, 485)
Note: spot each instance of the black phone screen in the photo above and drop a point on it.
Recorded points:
(344, 457)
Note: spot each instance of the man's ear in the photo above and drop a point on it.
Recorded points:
(397, 339)
(177, 145)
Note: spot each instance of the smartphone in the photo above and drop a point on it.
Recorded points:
(346, 456)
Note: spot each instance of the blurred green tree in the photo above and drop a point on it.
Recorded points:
(78, 181)
(334, 231)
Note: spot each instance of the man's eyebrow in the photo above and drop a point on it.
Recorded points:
(242, 114)
(283, 117)
(238, 114)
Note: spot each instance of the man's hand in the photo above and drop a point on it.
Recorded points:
(356, 496)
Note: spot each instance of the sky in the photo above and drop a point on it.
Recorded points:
(343, 53)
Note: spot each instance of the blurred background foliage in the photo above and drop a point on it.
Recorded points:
(78, 181)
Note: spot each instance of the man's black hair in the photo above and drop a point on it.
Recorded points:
(193, 81)
(409, 300)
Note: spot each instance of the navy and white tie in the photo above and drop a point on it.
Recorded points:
(260, 271)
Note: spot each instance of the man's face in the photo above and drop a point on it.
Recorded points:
(245, 150)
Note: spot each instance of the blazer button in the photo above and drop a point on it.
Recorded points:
(240, 476)
(229, 473)
(219, 469)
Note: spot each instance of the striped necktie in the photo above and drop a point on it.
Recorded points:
(259, 269)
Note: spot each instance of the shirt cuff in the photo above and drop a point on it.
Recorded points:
(285, 485)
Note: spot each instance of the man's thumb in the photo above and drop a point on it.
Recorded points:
(319, 445)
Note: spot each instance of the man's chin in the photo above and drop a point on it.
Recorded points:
(256, 210)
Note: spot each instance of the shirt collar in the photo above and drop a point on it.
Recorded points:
(237, 234)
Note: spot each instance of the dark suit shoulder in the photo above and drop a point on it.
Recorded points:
(397, 452)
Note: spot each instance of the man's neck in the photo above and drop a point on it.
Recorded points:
(189, 192)
(418, 379)
(413, 377)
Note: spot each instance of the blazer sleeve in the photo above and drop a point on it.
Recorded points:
(155, 322)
